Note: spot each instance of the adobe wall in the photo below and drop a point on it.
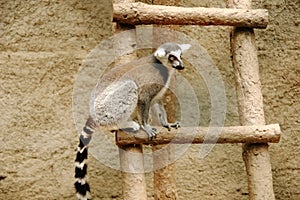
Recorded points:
(42, 46)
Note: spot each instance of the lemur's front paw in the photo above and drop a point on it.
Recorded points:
(152, 132)
(175, 125)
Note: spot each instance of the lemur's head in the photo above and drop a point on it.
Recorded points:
(169, 54)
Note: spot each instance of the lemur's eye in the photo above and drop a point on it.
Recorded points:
(171, 58)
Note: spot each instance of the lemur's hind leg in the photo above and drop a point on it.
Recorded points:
(143, 113)
(161, 115)
(81, 185)
(129, 126)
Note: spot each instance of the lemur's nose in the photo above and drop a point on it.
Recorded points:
(179, 67)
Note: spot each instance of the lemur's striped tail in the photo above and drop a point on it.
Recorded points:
(81, 185)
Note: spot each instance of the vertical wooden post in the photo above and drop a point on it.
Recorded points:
(133, 177)
(250, 103)
(131, 156)
(165, 177)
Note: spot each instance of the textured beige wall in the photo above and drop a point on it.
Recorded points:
(42, 46)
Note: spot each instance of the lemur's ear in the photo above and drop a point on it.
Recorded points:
(160, 53)
(184, 47)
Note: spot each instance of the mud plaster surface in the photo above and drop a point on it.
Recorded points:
(43, 44)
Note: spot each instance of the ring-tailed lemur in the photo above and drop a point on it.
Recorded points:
(122, 100)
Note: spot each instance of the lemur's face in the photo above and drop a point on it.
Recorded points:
(174, 58)
(170, 54)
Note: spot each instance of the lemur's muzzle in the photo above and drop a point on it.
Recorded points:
(179, 67)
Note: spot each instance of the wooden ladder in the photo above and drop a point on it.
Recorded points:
(253, 132)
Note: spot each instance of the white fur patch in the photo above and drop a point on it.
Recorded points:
(79, 196)
(81, 180)
(80, 165)
(160, 53)
(81, 150)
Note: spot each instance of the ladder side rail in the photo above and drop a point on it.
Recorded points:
(131, 156)
(250, 104)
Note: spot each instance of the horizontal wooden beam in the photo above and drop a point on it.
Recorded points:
(141, 13)
(197, 135)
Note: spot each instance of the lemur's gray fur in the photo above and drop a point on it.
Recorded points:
(123, 98)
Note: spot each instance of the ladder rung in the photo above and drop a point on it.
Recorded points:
(141, 13)
(197, 135)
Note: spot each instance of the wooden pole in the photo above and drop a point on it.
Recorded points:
(131, 156)
(164, 155)
(141, 13)
(250, 103)
(234, 134)
(133, 177)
